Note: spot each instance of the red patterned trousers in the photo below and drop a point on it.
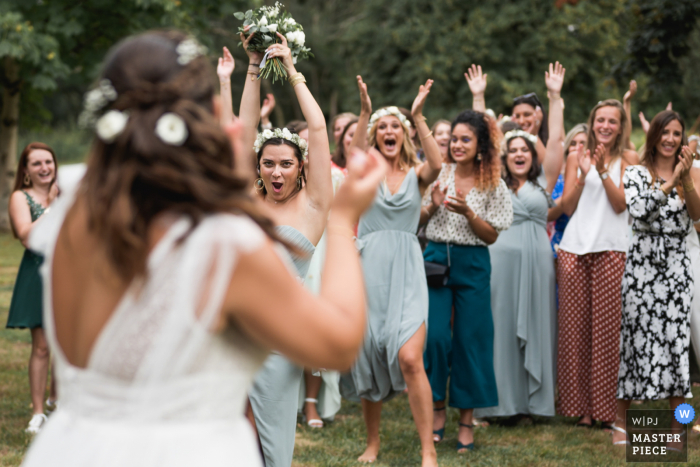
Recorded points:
(590, 306)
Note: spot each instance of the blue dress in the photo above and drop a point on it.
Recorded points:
(397, 291)
(275, 393)
(559, 224)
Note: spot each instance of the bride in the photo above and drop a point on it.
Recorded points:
(164, 289)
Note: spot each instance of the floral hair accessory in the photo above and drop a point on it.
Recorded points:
(172, 129)
(111, 125)
(188, 50)
(283, 133)
(520, 134)
(95, 100)
(504, 119)
(385, 112)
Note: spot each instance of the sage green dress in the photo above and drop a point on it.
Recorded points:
(26, 304)
(275, 393)
(397, 291)
(524, 310)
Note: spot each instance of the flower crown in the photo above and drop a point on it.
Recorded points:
(170, 127)
(283, 133)
(385, 112)
(520, 134)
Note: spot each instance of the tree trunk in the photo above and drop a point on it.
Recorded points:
(8, 136)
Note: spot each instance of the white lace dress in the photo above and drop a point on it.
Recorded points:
(159, 388)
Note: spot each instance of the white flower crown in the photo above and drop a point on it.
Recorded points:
(385, 112)
(520, 134)
(188, 50)
(283, 133)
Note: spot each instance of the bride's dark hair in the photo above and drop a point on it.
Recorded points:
(138, 176)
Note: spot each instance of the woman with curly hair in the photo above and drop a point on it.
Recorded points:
(465, 209)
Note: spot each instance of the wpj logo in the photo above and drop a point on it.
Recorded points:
(658, 435)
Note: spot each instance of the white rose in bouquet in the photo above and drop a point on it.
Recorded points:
(291, 37)
(301, 38)
(263, 22)
(272, 28)
(290, 22)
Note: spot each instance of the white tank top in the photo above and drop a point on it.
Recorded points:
(595, 226)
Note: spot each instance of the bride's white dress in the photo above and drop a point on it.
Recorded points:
(160, 388)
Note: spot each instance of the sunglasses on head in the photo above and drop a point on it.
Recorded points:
(529, 98)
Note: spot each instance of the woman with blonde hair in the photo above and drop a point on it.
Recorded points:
(591, 260)
(391, 358)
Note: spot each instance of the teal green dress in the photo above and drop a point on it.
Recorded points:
(524, 310)
(397, 291)
(275, 392)
(26, 305)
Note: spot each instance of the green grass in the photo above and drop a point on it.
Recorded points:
(548, 443)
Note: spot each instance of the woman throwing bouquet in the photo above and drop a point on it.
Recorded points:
(391, 358)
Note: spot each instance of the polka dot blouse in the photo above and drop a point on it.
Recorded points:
(493, 206)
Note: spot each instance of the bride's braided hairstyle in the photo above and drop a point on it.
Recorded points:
(137, 176)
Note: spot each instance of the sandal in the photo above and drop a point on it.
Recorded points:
(583, 425)
(314, 422)
(470, 446)
(606, 426)
(618, 429)
(439, 435)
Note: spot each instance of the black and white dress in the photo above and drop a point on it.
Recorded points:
(657, 290)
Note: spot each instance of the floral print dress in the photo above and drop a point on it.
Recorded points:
(657, 290)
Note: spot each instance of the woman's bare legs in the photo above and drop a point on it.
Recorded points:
(372, 413)
(38, 369)
(419, 395)
(313, 387)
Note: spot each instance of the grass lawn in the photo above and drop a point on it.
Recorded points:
(547, 443)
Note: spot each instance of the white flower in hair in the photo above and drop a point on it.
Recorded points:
(267, 134)
(96, 100)
(283, 133)
(520, 134)
(188, 50)
(385, 112)
(172, 129)
(111, 125)
(286, 134)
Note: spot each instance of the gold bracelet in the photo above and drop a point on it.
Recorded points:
(253, 76)
(473, 217)
(688, 187)
(342, 231)
(427, 136)
(296, 78)
(665, 192)
(580, 185)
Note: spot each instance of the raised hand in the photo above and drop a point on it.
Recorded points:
(365, 102)
(476, 79)
(419, 102)
(669, 106)
(365, 172)
(253, 56)
(283, 52)
(554, 79)
(458, 204)
(268, 106)
(584, 161)
(226, 65)
(685, 163)
(644, 122)
(438, 194)
(632, 91)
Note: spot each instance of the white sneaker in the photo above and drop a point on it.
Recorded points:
(35, 424)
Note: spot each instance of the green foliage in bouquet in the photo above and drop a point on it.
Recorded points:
(264, 23)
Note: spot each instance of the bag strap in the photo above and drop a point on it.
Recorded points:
(448, 254)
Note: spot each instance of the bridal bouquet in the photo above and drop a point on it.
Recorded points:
(265, 22)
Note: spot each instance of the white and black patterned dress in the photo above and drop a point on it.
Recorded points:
(657, 289)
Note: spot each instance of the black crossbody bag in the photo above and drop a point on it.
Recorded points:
(438, 274)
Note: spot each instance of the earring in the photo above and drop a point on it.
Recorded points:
(259, 184)
(299, 182)
(478, 157)
(27, 181)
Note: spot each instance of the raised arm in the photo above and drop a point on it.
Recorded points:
(573, 180)
(318, 167)
(224, 70)
(324, 331)
(477, 85)
(627, 105)
(359, 140)
(554, 152)
(268, 106)
(429, 170)
(250, 101)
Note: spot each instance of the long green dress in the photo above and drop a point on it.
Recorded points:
(275, 392)
(397, 291)
(26, 304)
(524, 310)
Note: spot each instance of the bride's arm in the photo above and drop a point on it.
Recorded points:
(272, 307)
